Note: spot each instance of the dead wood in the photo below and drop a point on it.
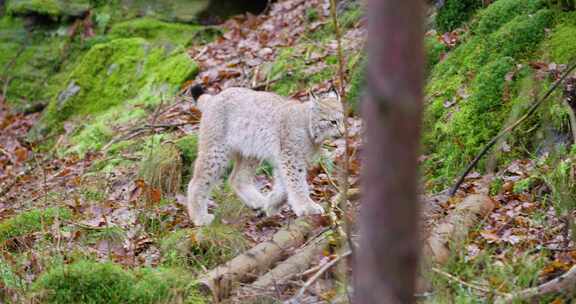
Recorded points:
(249, 265)
(455, 226)
(565, 283)
(292, 267)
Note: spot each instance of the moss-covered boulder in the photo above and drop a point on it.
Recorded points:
(32, 60)
(93, 282)
(471, 92)
(155, 31)
(52, 8)
(167, 10)
(115, 72)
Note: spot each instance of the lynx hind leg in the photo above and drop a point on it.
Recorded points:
(278, 196)
(242, 181)
(208, 169)
(293, 171)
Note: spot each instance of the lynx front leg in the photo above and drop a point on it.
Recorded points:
(208, 168)
(293, 171)
(242, 181)
(277, 197)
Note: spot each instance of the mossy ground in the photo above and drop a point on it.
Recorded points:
(477, 87)
(30, 221)
(93, 282)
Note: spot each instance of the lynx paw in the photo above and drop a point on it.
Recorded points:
(203, 220)
(308, 209)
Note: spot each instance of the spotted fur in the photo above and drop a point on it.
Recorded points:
(248, 126)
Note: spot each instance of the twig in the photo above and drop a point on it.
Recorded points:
(462, 282)
(344, 184)
(563, 284)
(572, 118)
(317, 275)
(502, 133)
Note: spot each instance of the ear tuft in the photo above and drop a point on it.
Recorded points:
(314, 98)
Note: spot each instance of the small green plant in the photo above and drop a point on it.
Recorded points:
(162, 168)
(562, 185)
(202, 248)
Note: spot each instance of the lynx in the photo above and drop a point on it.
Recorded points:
(249, 126)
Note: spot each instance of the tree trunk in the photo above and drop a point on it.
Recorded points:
(387, 261)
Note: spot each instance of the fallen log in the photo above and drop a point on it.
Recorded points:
(256, 260)
(455, 226)
(292, 267)
(565, 283)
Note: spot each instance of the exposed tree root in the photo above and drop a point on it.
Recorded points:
(456, 225)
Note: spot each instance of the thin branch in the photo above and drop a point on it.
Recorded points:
(345, 168)
(464, 283)
(507, 130)
(565, 283)
(317, 275)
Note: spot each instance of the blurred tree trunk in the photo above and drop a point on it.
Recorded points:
(387, 261)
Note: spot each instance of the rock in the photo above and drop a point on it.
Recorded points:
(52, 8)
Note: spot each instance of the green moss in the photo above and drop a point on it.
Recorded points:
(52, 8)
(202, 248)
(155, 31)
(121, 70)
(502, 11)
(455, 12)
(434, 50)
(562, 44)
(92, 282)
(30, 221)
(357, 84)
(289, 72)
(522, 34)
(9, 279)
(86, 282)
(468, 92)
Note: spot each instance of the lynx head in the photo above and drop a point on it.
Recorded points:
(326, 117)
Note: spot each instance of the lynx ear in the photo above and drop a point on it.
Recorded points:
(314, 98)
(336, 93)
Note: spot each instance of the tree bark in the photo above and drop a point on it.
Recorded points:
(387, 261)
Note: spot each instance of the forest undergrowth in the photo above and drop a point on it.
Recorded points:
(89, 188)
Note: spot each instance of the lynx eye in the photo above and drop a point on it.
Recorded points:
(333, 122)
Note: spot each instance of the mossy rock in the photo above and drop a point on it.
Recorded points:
(53, 8)
(30, 221)
(33, 61)
(122, 70)
(93, 282)
(155, 31)
(470, 97)
(166, 10)
(202, 248)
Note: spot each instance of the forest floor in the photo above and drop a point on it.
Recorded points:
(90, 217)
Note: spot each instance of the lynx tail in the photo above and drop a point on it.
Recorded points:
(197, 91)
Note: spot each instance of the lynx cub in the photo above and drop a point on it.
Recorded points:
(249, 126)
